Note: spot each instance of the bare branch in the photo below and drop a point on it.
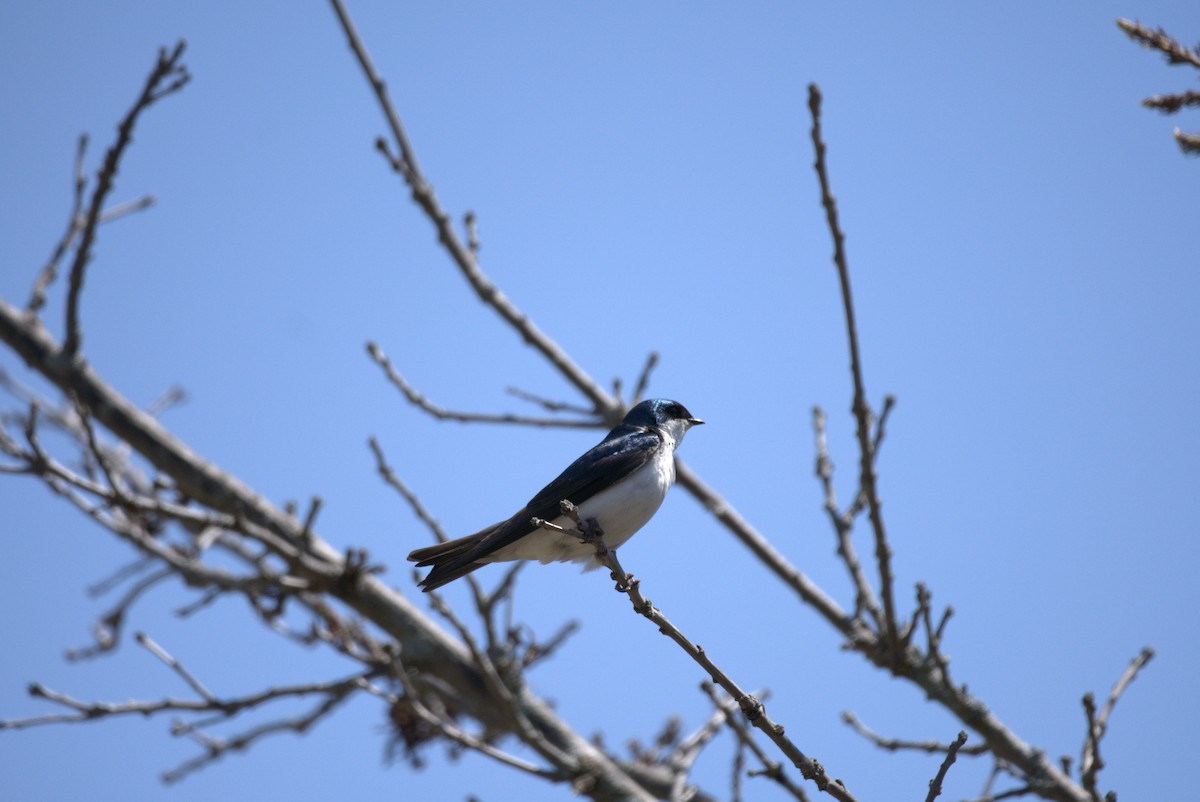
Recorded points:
(170, 397)
(862, 411)
(216, 748)
(1175, 54)
(89, 711)
(935, 785)
(643, 381)
(405, 163)
(1159, 40)
(546, 403)
(684, 755)
(1188, 143)
(772, 769)
(900, 744)
(120, 575)
(46, 276)
(162, 654)
(314, 508)
(1090, 762)
(752, 708)
(843, 524)
(389, 476)
(128, 208)
(441, 413)
(169, 75)
(444, 724)
(933, 635)
(1169, 104)
(1130, 674)
(470, 225)
(107, 629)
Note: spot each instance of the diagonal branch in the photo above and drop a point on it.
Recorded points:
(405, 163)
(854, 630)
(1090, 762)
(935, 785)
(771, 768)
(753, 709)
(1158, 39)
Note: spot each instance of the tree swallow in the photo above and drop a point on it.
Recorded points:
(620, 484)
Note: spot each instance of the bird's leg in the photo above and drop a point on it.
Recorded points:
(588, 531)
(591, 533)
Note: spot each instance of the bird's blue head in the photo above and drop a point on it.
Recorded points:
(661, 412)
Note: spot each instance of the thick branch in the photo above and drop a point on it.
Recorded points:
(427, 648)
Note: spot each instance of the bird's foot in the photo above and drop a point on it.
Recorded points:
(591, 531)
(588, 531)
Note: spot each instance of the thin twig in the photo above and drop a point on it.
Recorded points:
(1158, 39)
(314, 508)
(865, 599)
(902, 745)
(444, 724)
(471, 226)
(643, 381)
(216, 748)
(1175, 54)
(46, 276)
(167, 68)
(128, 208)
(935, 785)
(546, 403)
(933, 635)
(1090, 762)
(176, 666)
(89, 711)
(1135, 666)
(107, 629)
(441, 413)
(120, 575)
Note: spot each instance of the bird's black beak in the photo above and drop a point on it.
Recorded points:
(695, 421)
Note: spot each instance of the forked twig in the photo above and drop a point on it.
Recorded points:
(404, 162)
(169, 75)
(860, 407)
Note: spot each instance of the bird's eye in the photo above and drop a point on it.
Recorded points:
(675, 411)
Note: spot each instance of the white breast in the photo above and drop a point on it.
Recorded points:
(620, 511)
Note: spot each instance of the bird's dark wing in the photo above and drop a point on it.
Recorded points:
(603, 466)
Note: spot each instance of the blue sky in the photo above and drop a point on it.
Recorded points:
(1022, 242)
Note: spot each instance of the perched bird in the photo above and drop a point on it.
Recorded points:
(620, 484)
